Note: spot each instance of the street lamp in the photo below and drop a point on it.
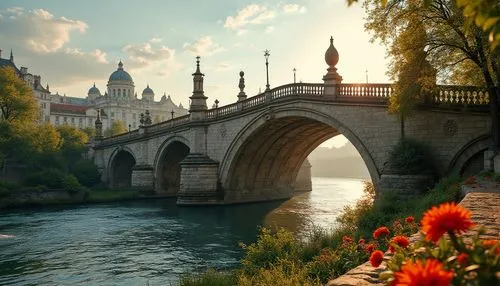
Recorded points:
(294, 71)
(172, 113)
(267, 54)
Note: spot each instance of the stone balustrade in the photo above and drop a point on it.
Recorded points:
(445, 97)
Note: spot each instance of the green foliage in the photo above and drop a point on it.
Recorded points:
(53, 179)
(117, 127)
(90, 131)
(211, 277)
(268, 249)
(286, 272)
(17, 102)
(86, 172)
(6, 187)
(105, 195)
(350, 216)
(411, 157)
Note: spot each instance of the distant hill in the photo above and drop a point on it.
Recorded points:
(338, 162)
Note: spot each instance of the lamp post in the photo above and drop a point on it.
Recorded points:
(266, 55)
(129, 127)
(294, 71)
(172, 113)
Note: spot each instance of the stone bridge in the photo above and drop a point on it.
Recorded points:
(253, 149)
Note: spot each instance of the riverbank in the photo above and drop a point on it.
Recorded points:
(35, 197)
(281, 258)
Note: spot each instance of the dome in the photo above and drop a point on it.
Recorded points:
(120, 74)
(148, 90)
(331, 55)
(94, 90)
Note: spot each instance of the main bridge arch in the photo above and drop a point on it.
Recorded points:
(263, 160)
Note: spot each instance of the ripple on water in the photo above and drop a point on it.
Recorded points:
(153, 241)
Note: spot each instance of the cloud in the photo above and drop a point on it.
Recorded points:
(252, 14)
(203, 47)
(38, 29)
(155, 40)
(143, 54)
(223, 67)
(269, 29)
(293, 8)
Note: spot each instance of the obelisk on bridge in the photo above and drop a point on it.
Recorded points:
(198, 99)
(331, 78)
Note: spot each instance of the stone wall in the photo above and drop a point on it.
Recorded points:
(39, 197)
(405, 186)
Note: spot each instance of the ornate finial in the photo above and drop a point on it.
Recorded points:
(331, 55)
(11, 56)
(331, 40)
(120, 65)
(242, 95)
(47, 88)
(94, 83)
(148, 85)
(198, 64)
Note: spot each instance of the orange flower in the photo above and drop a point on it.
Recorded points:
(381, 231)
(401, 241)
(490, 243)
(370, 247)
(463, 259)
(410, 219)
(376, 258)
(443, 218)
(429, 273)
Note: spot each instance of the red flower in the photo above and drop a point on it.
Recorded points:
(401, 241)
(381, 231)
(376, 258)
(361, 241)
(410, 219)
(346, 239)
(430, 273)
(463, 259)
(370, 247)
(490, 243)
(443, 218)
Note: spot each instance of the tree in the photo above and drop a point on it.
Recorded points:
(484, 14)
(90, 131)
(452, 43)
(17, 102)
(117, 127)
(72, 143)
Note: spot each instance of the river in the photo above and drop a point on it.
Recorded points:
(150, 242)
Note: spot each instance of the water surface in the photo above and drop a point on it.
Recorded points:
(150, 241)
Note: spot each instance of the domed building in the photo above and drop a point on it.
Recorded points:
(118, 103)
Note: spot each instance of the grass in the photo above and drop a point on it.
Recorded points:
(211, 277)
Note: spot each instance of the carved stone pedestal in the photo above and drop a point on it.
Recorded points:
(199, 184)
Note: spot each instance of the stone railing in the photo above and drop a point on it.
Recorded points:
(445, 96)
(460, 95)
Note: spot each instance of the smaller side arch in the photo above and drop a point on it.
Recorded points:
(467, 152)
(120, 164)
(166, 164)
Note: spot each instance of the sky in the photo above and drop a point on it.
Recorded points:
(73, 44)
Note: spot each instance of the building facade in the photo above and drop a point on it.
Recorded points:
(119, 102)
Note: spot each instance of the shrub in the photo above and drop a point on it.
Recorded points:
(86, 172)
(51, 178)
(285, 272)
(211, 277)
(411, 157)
(6, 187)
(71, 184)
(269, 248)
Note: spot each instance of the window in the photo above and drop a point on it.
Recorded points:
(65, 119)
(112, 114)
(129, 92)
(114, 91)
(119, 92)
(72, 120)
(90, 121)
(57, 118)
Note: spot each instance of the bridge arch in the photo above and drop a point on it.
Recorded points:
(470, 158)
(267, 153)
(167, 164)
(121, 162)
